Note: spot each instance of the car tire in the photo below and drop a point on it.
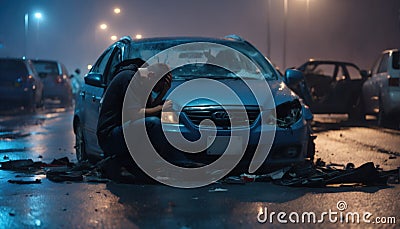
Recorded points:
(357, 110)
(80, 149)
(31, 104)
(66, 102)
(383, 119)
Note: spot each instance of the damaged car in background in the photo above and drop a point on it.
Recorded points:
(331, 87)
(381, 91)
(293, 141)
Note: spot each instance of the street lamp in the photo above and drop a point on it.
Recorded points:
(103, 26)
(138, 36)
(38, 16)
(285, 11)
(117, 10)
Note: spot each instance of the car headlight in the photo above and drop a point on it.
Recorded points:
(288, 113)
(170, 117)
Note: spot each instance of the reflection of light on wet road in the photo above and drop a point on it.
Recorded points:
(45, 135)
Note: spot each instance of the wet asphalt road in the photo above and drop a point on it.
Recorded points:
(48, 135)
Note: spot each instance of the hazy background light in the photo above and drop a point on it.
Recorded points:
(117, 10)
(103, 26)
(138, 36)
(114, 38)
(38, 15)
(89, 66)
(348, 30)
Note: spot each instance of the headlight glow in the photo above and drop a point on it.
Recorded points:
(170, 117)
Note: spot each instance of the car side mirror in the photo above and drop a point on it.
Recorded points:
(365, 74)
(293, 77)
(94, 79)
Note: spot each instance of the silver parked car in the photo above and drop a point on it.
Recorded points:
(56, 81)
(381, 91)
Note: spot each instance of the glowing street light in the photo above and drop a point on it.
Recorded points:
(138, 36)
(38, 16)
(117, 10)
(103, 26)
(113, 38)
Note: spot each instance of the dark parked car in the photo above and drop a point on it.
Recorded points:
(331, 87)
(20, 85)
(55, 79)
(292, 140)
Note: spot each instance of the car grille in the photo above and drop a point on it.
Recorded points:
(220, 117)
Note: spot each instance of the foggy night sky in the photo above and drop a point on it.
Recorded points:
(349, 30)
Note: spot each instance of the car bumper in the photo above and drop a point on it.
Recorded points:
(288, 145)
(57, 91)
(12, 97)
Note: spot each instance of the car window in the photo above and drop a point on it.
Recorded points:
(12, 69)
(320, 69)
(64, 70)
(375, 67)
(242, 59)
(384, 64)
(115, 59)
(340, 75)
(396, 60)
(101, 63)
(354, 73)
(50, 68)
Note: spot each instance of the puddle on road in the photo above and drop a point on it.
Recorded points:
(29, 135)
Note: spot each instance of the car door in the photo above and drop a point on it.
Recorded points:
(341, 90)
(318, 77)
(91, 95)
(372, 87)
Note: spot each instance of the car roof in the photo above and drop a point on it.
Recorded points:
(184, 39)
(329, 62)
(389, 51)
(48, 61)
(12, 58)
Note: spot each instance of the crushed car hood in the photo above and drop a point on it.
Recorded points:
(202, 93)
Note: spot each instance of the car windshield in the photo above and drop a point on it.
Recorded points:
(396, 60)
(47, 67)
(12, 69)
(226, 59)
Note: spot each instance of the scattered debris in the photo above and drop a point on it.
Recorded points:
(366, 174)
(233, 180)
(60, 176)
(318, 174)
(17, 164)
(6, 157)
(320, 162)
(218, 190)
(20, 181)
(247, 177)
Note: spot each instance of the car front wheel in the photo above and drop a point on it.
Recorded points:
(80, 144)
